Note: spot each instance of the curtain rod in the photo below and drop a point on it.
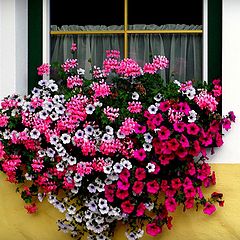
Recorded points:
(127, 31)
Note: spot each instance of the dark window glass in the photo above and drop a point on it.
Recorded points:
(107, 12)
(165, 12)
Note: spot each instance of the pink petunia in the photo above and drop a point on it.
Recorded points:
(179, 126)
(163, 133)
(140, 210)
(140, 174)
(164, 106)
(192, 129)
(170, 204)
(138, 187)
(153, 229)
(209, 208)
(153, 187)
(139, 154)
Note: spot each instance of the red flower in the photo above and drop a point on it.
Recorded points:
(164, 185)
(122, 194)
(153, 187)
(190, 192)
(127, 207)
(163, 133)
(184, 141)
(192, 129)
(124, 175)
(123, 185)
(140, 210)
(153, 230)
(176, 183)
(173, 144)
(189, 203)
(138, 187)
(182, 152)
(157, 119)
(169, 222)
(32, 208)
(140, 174)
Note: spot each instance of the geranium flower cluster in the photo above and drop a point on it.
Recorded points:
(104, 150)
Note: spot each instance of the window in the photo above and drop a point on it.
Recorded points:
(117, 17)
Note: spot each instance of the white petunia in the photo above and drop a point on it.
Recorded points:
(152, 109)
(148, 137)
(34, 134)
(107, 169)
(191, 93)
(50, 152)
(71, 209)
(192, 116)
(147, 147)
(78, 218)
(104, 209)
(120, 135)
(54, 116)
(40, 197)
(60, 167)
(158, 97)
(54, 139)
(118, 167)
(127, 164)
(28, 177)
(177, 83)
(135, 96)
(109, 130)
(77, 178)
(41, 153)
(102, 202)
(43, 114)
(106, 137)
(60, 109)
(90, 109)
(36, 92)
(89, 130)
(79, 134)
(72, 161)
(92, 206)
(53, 87)
(150, 167)
(48, 106)
(91, 188)
(59, 147)
(81, 71)
(61, 208)
(66, 138)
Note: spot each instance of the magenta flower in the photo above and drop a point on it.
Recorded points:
(140, 174)
(179, 126)
(43, 69)
(153, 230)
(153, 187)
(164, 106)
(163, 133)
(122, 194)
(139, 129)
(139, 154)
(192, 129)
(232, 116)
(138, 187)
(184, 141)
(209, 208)
(171, 204)
(226, 123)
(74, 47)
(127, 207)
(140, 209)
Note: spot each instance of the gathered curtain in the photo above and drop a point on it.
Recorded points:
(184, 51)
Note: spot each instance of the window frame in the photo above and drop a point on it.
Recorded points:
(39, 37)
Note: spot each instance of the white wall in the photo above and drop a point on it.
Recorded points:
(230, 151)
(13, 47)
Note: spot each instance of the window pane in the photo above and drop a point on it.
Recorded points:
(89, 47)
(166, 12)
(184, 52)
(107, 12)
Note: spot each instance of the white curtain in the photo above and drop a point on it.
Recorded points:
(183, 50)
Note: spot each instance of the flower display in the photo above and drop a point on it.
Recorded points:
(120, 147)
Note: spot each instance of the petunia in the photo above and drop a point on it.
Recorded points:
(163, 133)
(179, 126)
(140, 174)
(122, 194)
(127, 207)
(192, 129)
(153, 230)
(153, 187)
(170, 204)
(138, 187)
(139, 154)
(209, 208)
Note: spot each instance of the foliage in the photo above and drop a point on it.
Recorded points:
(122, 146)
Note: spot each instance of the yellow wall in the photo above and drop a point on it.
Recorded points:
(224, 224)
